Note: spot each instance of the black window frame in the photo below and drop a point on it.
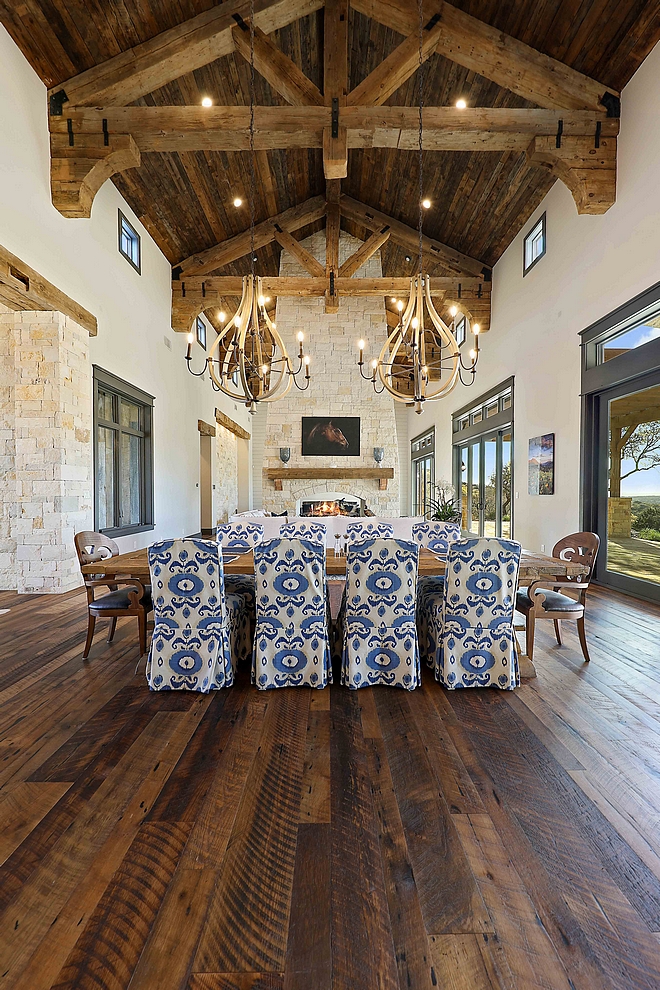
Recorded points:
(105, 381)
(461, 329)
(422, 453)
(123, 219)
(200, 337)
(541, 220)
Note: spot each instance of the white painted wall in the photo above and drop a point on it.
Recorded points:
(133, 311)
(592, 265)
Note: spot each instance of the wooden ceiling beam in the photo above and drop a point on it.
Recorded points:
(22, 288)
(396, 69)
(332, 230)
(297, 251)
(496, 56)
(196, 42)
(277, 69)
(264, 233)
(193, 295)
(335, 87)
(78, 169)
(588, 171)
(364, 252)
(408, 238)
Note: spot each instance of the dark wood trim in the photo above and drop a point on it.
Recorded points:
(223, 420)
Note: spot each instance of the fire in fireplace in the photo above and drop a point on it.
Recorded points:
(331, 504)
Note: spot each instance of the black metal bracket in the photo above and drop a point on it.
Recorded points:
(612, 104)
(176, 273)
(106, 136)
(432, 23)
(56, 101)
(203, 290)
(241, 23)
(335, 116)
(385, 228)
(479, 291)
(183, 288)
(487, 274)
(278, 228)
(597, 138)
(69, 127)
(560, 131)
(460, 289)
(332, 283)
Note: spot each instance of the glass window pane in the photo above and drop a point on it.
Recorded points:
(129, 415)
(490, 487)
(534, 244)
(475, 502)
(131, 481)
(464, 487)
(506, 401)
(627, 340)
(105, 478)
(506, 485)
(633, 508)
(492, 409)
(477, 416)
(104, 406)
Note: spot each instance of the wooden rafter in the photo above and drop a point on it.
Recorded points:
(335, 87)
(408, 237)
(364, 252)
(22, 288)
(270, 62)
(332, 229)
(297, 251)
(196, 42)
(264, 233)
(496, 56)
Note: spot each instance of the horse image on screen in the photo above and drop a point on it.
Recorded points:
(331, 436)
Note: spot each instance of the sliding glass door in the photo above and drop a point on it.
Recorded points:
(484, 468)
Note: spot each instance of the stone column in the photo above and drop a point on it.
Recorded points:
(52, 455)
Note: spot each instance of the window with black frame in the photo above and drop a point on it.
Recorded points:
(123, 471)
(422, 464)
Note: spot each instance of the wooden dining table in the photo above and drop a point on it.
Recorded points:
(533, 566)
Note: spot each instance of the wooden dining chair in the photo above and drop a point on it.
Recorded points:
(132, 599)
(556, 598)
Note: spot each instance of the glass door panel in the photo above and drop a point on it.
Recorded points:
(463, 471)
(484, 468)
(490, 500)
(633, 485)
(474, 509)
(505, 486)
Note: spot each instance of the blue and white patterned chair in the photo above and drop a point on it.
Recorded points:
(239, 537)
(313, 531)
(358, 531)
(291, 642)
(470, 622)
(199, 629)
(434, 535)
(377, 625)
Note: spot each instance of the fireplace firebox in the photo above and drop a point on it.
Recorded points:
(331, 504)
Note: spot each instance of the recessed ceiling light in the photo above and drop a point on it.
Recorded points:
(222, 316)
(461, 104)
(238, 202)
(426, 203)
(207, 101)
(408, 258)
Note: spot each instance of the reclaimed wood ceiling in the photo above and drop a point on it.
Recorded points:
(480, 200)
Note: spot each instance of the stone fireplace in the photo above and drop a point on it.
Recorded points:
(324, 504)
(336, 389)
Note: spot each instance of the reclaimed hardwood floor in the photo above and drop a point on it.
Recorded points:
(333, 840)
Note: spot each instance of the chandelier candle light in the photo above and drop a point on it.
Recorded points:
(248, 360)
(421, 359)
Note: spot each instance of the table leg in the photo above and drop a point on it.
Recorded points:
(527, 668)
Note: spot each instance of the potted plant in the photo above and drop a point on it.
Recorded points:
(444, 506)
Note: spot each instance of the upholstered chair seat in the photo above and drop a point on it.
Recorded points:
(291, 641)
(470, 622)
(377, 624)
(199, 630)
(551, 601)
(119, 599)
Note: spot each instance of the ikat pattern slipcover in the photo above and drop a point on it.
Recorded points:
(291, 643)
(239, 537)
(434, 535)
(357, 531)
(199, 630)
(378, 627)
(312, 531)
(470, 623)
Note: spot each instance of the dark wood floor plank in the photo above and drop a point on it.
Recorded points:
(237, 981)
(471, 962)
(363, 950)
(309, 945)
(315, 803)
(107, 951)
(112, 815)
(408, 932)
(447, 890)
(22, 807)
(246, 926)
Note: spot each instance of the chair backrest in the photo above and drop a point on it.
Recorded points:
(362, 530)
(316, 532)
(239, 537)
(481, 581)
(190, 638)
(291, 645)
(436, 535)
(92, 547)
(579, 548)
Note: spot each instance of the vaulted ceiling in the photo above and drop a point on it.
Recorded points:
(480, 199)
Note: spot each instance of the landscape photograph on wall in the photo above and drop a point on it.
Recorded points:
(331, 436)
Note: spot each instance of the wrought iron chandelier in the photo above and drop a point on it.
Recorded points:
(248, 360)
(421, 359)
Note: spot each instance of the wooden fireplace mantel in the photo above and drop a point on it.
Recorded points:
(278, 475)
